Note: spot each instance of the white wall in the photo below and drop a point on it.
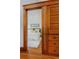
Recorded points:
(21, 17)
(34, 17)
(31, 1)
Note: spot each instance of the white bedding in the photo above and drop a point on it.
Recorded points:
(34, 40)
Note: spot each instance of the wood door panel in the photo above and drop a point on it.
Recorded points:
(54, 19)
(53, 37)
(54, 43)
(53, 50)
(54, 28)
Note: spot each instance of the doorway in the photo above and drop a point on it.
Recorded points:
(34, 31)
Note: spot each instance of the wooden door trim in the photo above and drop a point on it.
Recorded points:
(44, 29)
(39, 4)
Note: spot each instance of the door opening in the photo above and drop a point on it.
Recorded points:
(34, 31)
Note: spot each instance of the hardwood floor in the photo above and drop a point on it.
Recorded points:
(36, 53)
(26, 56)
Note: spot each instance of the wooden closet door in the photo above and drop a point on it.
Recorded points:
(52, 27)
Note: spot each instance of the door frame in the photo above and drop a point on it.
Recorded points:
(43, 6)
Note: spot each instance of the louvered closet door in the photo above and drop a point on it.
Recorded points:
(53, 30)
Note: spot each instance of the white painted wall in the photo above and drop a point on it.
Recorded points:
(21, 17)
